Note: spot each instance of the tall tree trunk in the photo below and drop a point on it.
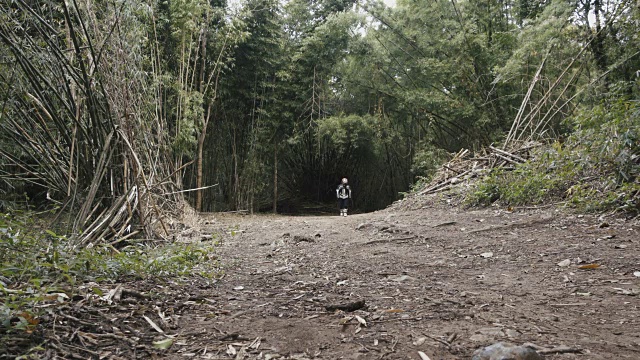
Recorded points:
(236, 178)
(205, 118)
(275, 178)
(199, 171)
(199, 165)
(599, 39)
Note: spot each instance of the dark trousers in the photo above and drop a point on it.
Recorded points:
(344, 203)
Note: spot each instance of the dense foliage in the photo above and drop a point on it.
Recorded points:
(264, 105)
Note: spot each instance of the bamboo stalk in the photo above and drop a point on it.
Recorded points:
(144, 179)
(97, 179)
(507, 154)
(516, 123)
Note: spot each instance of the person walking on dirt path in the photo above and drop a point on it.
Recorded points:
(343, 192)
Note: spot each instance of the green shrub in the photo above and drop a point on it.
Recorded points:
(597, 168)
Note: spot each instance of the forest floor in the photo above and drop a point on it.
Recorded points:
(434, 278)
(420, 276)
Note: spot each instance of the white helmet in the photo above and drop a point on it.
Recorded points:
(344, 180)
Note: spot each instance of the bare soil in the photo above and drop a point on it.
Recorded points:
(435, 279)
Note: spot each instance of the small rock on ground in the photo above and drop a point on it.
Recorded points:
(505, 351)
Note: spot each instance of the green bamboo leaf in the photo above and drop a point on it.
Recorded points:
(97, 291)
(163, 344)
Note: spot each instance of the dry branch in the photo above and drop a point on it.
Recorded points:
(465, 166)
(389, 240)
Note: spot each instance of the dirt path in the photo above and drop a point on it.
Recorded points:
(434, 280)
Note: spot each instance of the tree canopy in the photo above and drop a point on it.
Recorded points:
(264, 105)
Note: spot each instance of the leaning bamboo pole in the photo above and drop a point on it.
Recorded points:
(77, 134)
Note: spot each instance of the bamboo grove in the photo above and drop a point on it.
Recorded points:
(114, 113)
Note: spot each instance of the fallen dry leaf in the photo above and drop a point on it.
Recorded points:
(163, 344)
(29, 318)
(589, 266)
(564, 263)
(153, 325)
(631, 292)
(420, 341)
(231, 351)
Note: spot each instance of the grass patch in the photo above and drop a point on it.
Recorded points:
(37, 266)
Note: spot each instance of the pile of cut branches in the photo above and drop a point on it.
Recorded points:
(529, 127)
(464, 166)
